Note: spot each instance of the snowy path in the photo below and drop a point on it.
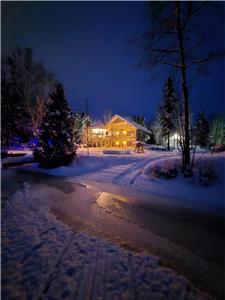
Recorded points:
(118, 169)
(42, 258)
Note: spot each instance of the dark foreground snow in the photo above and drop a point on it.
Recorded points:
(44, 259)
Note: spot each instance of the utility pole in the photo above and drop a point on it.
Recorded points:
(87, 124)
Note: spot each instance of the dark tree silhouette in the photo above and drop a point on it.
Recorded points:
(173, 41)
(202, 131)
(168, 111)
(25, 88)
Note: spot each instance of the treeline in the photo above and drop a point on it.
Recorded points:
(169, 121)
(35, 110)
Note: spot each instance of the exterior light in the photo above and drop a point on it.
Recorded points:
(124, 132)
(124, 142)
(117, 132)
(117, 143)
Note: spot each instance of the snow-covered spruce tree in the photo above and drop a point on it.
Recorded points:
(202, 131)
(78, 127)
(167, 111)
(217, 132)
(56, 132)
(85, 131)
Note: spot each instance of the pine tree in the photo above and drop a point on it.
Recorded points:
(78, 127)
(167, 111)
(85, 131)
(15, 119)
(217, 132)
(202, 131)
(56, 133)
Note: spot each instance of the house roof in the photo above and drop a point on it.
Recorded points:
(132, 123)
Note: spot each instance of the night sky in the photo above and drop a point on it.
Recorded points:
(88, 47)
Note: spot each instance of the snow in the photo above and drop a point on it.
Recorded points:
(189, 189)
(42, 258)
(116, 152)
(156, 147)
(132, 172)
(27, 158)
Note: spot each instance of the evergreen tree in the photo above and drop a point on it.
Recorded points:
(202, 131)
(217, 132)
(143, 136)
(15, 119)
(78, 127)
(85, 131)
(24, 83)
(56, 133)
(167, 111)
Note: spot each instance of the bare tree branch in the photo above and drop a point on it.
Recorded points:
(191, 12)
(169, 63)
(176, 50)
(209, 57)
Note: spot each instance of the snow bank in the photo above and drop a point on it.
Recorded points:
(17, 160)
(187, 190)
(116, 152)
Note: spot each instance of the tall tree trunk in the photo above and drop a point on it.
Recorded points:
(168, 142)
(186, 149)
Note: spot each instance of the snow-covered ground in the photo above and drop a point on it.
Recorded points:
(42, 258)
(23, 158)
(132, 171)
(47, 255)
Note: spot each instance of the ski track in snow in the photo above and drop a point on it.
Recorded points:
(43, 259)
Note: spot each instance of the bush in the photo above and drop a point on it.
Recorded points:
(53, 159)
(167, 169)
(219, 148)
(206, 174)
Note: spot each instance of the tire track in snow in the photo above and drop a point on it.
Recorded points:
(128, 177)
(53, 274)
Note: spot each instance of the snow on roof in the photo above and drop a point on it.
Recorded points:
(131, 122)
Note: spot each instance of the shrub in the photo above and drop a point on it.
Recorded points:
(167, 169)
(206, 174)
(219, 148)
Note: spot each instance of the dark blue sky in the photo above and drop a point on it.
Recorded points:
(86, 44)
